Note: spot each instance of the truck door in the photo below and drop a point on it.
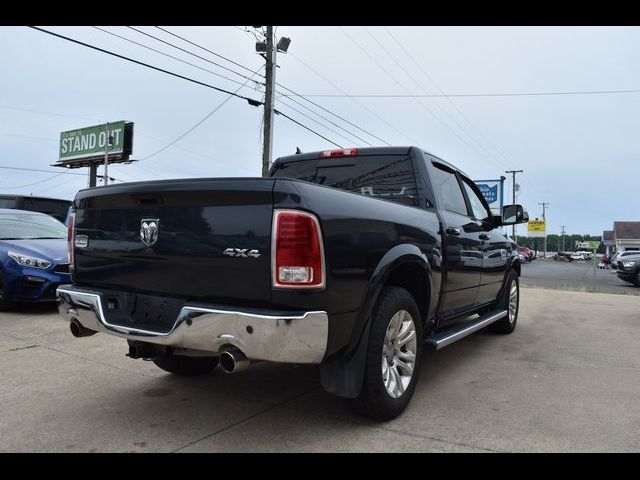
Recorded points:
(495, 255)
(463, 247)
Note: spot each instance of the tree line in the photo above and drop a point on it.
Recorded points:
(554, 242)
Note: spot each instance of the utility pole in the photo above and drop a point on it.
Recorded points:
(544, 219)
(513, 188)
(563, 227)
(270, 80)
(107, 142)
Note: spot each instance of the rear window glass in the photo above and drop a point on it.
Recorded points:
(386, 177)
(7, 202)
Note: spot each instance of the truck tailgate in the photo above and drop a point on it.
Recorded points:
(197, 222)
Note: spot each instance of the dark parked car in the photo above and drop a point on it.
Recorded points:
(629, 268)
(56, 207)
(350, 259)
(33, 257)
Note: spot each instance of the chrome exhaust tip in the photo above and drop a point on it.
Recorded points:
(77, 330)
(233, 361)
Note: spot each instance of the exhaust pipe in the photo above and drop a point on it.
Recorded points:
(233, 361)
(77, 330)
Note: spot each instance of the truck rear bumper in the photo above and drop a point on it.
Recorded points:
(299, 337)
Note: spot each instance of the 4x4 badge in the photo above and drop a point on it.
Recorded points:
(241, 252)
(149, 230)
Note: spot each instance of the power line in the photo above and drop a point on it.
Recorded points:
(37, 170)
(205, 49)
(27, 136)
(408, 74)
(246, 68)
(352, 99)
(251, 101)
(401, 85)
(307, 128)
(314, 120)
(9, 107)
(412, 58)
(200, 122)
(31, 184)
(192, 54)
(455, 95)
(323, 117)
(167, 55)
(435, 102)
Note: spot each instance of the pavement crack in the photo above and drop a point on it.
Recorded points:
(243, 420)
(21, 348)
(97, 362)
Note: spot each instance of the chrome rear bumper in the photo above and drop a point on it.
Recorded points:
(295, 338)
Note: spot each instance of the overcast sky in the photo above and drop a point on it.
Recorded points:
(578, 152)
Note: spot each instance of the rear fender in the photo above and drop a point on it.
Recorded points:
(344, 377)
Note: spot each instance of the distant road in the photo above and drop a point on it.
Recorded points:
(576, 275)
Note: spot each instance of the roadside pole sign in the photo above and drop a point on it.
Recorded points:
(493, 193)
(536, 228)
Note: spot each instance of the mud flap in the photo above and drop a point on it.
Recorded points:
(344, 377)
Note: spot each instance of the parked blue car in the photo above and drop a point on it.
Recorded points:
(33, 257)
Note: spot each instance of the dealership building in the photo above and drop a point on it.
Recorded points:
(624, 236)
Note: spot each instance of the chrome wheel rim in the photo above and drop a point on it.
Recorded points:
(513, 302)
(399, 354)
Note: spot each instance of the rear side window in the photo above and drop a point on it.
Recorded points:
(447, 190)
(386, 177)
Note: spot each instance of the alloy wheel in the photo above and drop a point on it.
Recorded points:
(399, 353)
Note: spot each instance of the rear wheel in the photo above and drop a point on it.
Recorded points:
(186, 366)
(510, 301)
(393, 356)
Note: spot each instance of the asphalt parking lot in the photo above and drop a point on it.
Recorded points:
(566, 380)
(576, 275)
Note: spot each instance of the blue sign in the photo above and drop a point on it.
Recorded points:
(492, 191)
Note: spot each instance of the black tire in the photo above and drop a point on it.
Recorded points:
(374, 401)
(636, 279)
(186, 366)
(508, 324)
(5, 303)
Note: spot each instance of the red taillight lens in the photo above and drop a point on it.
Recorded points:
(298, 259)
(70, 231)
(343, 152)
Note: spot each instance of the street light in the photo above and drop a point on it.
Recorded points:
(283, 44)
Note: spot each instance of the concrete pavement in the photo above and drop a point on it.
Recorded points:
(565, 380)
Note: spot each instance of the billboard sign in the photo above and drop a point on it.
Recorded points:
(492, 191)
(88, 144)
(536, 228)
(589, 244)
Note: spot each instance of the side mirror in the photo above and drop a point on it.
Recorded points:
(512, 214)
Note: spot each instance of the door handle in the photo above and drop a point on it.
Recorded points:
(453, 231)
(483, 236)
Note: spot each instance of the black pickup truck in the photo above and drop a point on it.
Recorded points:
(354, 260)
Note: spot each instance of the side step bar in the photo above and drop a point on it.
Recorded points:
(447, 337)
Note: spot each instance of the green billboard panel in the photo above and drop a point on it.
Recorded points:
(89, 142)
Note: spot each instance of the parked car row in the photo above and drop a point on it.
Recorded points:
(526, 254)
(628, 267)
(33, 256)
(622, 256)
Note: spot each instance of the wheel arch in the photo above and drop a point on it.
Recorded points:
(398, 267)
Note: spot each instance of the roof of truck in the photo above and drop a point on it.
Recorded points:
(401, 150)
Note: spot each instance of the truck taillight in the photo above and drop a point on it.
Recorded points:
(343, 152)
(70, 232)
(297, 253)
